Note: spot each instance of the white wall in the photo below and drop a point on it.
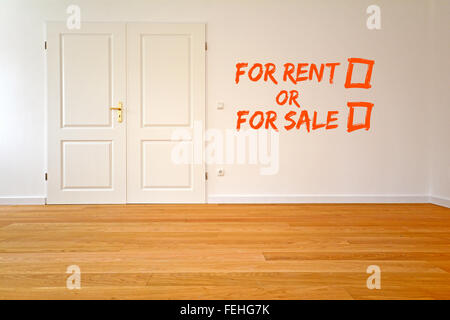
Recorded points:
(440, 102)
(391, 160)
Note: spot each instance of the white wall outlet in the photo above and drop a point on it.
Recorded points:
(220, 106)
(220, 172)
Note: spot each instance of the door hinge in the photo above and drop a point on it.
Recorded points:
(45, 45)
(206, 175)
(206, 46)
(46, 176)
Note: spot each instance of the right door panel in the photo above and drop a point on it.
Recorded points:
(166, 100)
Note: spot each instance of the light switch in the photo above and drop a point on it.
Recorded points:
(220, 106)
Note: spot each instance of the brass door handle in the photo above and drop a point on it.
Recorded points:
(119, 111)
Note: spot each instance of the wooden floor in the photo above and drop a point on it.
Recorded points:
(225, 251)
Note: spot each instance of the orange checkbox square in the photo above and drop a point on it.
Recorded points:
(366, 125)
(366, 84)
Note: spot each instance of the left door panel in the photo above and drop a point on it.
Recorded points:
(86, 75)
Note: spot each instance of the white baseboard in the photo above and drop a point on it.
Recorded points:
(300, 198)
(22, 200)
(273, 198)
(440, 201)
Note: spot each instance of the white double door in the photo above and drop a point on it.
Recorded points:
(157, 73)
